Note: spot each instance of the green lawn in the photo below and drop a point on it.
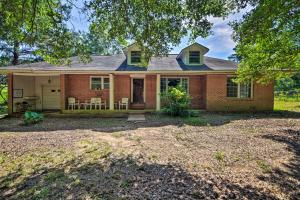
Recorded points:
(3, 110)
(286, 105)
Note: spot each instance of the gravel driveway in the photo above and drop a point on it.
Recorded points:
(214, 156)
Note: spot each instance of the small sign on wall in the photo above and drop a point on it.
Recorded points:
(18, 93)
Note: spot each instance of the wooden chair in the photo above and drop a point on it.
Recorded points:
(72, 103)
(97, 102)
(123, 103)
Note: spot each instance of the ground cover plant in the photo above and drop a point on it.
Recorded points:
(222, 155)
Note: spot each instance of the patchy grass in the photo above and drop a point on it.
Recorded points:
(264, 166)
(171, 158)
(219, 156)
(286, 105)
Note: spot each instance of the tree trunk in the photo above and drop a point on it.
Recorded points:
(15, 60)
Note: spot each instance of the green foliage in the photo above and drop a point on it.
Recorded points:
(41, 27)
(268, 40)
(32, 117)
(156, 25)
(219, 156)
(176, 102)
(196, 121)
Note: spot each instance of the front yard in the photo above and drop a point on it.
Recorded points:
(213, 156)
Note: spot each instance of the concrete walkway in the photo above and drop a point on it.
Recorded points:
(136, 117)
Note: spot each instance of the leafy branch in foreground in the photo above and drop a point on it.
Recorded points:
(268, 41)
(41, 25)
(156, 25)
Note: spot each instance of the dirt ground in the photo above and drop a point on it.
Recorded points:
(214, 156)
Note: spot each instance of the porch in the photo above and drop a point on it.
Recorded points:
(51, 92)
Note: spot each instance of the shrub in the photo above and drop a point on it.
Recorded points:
(32, 117)
(176, 102)
(219, 156)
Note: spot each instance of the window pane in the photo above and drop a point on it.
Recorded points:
(194, 57)
(163, 85)
(245, 90)
(173, 82)
(231, 88)
(185, 84)
(106, 83)
(96, 83)
(135, 57)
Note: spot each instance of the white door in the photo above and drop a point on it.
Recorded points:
(51, 97)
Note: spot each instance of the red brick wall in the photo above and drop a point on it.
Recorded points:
(122, 87)
(150, 91)
(197, 86)
(216, 100)
(78, 86)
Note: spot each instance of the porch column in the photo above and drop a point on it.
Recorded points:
(10, 82)
(111, 92)
(158, 92)
(62, 91)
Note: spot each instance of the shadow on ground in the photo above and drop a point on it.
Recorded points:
(123, 178)
(120, 124)
(287, 178)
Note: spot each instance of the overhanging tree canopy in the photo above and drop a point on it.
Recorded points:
(268, 40)
(156, 25)
(39, 24)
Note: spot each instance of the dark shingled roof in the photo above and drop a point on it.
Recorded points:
(119, 63)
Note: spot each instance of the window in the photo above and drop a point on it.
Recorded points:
(99, 83)
(166, 83)
(106, 83)
(232, 88)
(245, 90)
(135, 56)
(238, 90)
(194, 57)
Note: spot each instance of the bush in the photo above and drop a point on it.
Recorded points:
(32, 117)
(176, 102)
(3, 109)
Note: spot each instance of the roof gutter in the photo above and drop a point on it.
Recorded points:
(58, 72)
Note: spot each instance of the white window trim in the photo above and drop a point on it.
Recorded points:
(102, 81)
(167, 77)
(239, 90)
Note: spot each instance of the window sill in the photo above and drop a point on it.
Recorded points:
(239, 99)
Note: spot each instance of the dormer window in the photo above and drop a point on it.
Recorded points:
(194, 57)
(136, 56)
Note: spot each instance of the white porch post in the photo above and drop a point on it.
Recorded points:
(158, 92)
(111, 92)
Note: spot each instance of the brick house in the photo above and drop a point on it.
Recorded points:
(207, 80)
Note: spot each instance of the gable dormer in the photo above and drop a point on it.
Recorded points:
(193, 54)
(133, 54)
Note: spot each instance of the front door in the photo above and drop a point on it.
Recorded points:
(138, 90)
(51, 97)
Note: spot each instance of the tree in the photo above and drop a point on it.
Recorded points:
(98, 44)
(39, 25)
(156, 25)
(268, 40)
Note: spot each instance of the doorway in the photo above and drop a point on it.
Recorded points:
(138, 90)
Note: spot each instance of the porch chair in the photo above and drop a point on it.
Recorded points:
(72, 103)
(123, 103)
(96, 101)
